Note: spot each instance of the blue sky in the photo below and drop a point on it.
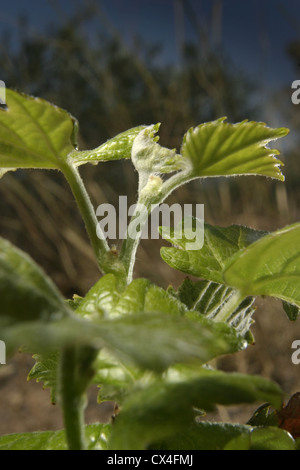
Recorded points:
(254, 33)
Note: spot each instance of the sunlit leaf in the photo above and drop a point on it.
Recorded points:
(107, 299)
(218, 148)
(270, 266)
(220, 244)
(34, 133)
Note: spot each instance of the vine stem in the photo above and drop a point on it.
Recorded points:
(87, 211)
(130, 244)
(73, 401)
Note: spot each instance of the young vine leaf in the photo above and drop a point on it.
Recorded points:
(269, 266)
(218, 148)
(210, 298)
(166, 401)
(251, 262)
(34, 133)
(47, 137)
(119, 147)
(220, 244)
(96, 438)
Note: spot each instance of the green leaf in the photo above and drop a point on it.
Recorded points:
(34, 133)
(220, 244)
(143, 296)
(225, 436)
(114, 379)
(161, 340)
(264, 416)
(163, 409)
(30, 302)
(119, 147)
(40, 337)
(100, 299)
(106, 302)
(107, 299)
(271, 438)
(241, 442)
(205, 436)
(45, 370)
(218, 148)
(96, 437)
(190, 340)
(292, 311)
(270, 266)
(26, 292)
(158, 300)
(33, 314)
(252, 262)
(210, 299)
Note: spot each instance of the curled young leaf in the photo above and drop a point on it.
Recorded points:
(119, 147)
(150, 157)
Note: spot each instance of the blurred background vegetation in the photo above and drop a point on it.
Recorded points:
(109, 87)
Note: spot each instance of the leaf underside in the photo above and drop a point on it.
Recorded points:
(210, 298)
